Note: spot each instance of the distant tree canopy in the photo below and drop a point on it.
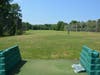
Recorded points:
(74, 25)
(26, 26)
(88, 26)
(98, 25)
(44, 27)
(10, 18)
(60, 26)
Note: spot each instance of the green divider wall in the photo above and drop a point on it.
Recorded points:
(9, 59)
(90, 60)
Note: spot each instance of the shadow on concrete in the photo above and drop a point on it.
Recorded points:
(17, 69)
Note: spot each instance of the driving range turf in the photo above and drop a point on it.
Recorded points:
(50, 52)
(48, 67)
(49, 44)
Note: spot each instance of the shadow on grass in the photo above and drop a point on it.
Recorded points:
(17, 69)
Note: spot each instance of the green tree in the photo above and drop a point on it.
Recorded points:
(4, 11)
(60, 26)
(91, 25)
(83, 26)
(98, 25)
(15, 18)
(10, 18)
(74, 25)
(26, 26)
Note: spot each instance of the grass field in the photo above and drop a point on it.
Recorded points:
(48, 67)
(44, 44)
(61, 49)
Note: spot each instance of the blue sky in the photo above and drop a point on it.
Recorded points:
(52, 11)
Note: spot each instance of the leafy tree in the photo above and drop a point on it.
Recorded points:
(91, 25)
(4, 11)
(98, 25)
(17, 22)
(60, 26)
(83, 26)
(10, 18)
(26, 26)
(74, 25)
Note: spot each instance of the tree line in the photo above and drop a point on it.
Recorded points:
(74, 25)
(88, 26)
(10, 18)
(59, 26)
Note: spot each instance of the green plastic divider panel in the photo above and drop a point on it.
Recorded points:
(90, 60)
(9, 58)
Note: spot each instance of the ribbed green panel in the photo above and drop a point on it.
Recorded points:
(97, 61)
(97, 72)
(2, 59)
(90, 60)
(9, 58)
(2, 72)
(85, 48)
(14, 57)
(95, 54)
(91, 73)
(2, 64)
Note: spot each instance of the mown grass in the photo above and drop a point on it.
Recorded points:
(48, 67)
(44, 44)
